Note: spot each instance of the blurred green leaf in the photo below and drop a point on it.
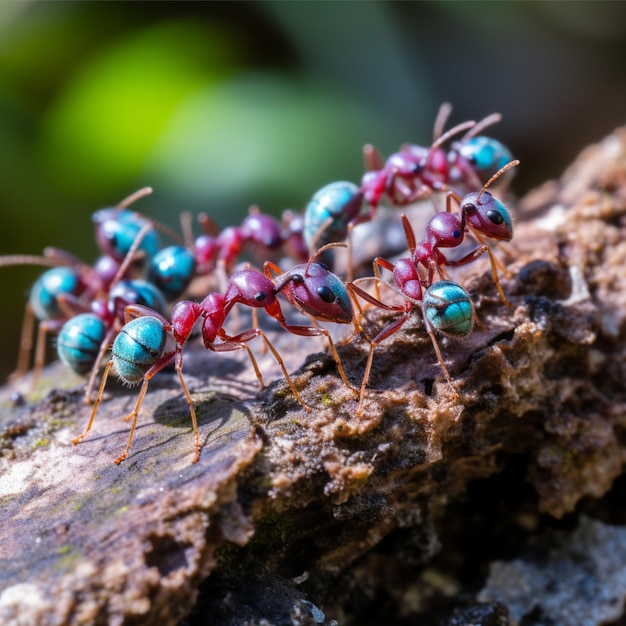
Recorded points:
(117, 105)
(260, 137)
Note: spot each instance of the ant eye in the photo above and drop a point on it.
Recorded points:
(495, 217)
(260, 296)
(470, 207)
(456, 234)
(326, 294)
(298, 279)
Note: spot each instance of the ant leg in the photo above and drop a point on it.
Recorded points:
(384, 334)
(433, 340)
(377, 264)
(482, 241)
(474, 255)
(133, 416)
(157, 367)
(26, 343)
(374, 161)
(40, 352)
(192, 410)
(229, 345)
(106, 342)
(312, 331)
(105, 375)
(257, 332)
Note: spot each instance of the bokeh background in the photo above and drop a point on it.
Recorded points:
(219, 106)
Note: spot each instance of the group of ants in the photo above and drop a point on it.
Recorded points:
(94, 308)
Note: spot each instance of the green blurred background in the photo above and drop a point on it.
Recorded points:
(222, 105)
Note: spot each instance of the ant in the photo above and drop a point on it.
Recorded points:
(446, 308)
(70, 279)
(148, 341)
(117, 228)
(415, 172)
(480, 212)
(173, 268)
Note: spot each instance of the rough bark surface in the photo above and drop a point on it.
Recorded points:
(312, 517)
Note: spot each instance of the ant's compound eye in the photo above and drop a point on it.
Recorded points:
(457, 234)
(260, 296)
(298, 279)
(326, 294)
(470, 207)
(495, 217)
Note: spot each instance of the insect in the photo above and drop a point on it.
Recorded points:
(173, 268)
(315, 291)
(480, 212)
(117, 228)
(70, 279)
(83, 339)
(446, 309)
(412, 173)
(67, 278)
(148, 341)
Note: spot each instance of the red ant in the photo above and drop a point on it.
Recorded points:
(415, 172)
(480, 212)
(148, 341)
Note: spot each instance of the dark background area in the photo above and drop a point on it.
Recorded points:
(222, 105)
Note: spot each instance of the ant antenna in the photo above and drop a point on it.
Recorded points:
(497, 175)
(440, 121)
(453, 131)
(29, 259)
(320, 251)
(140, 193)
(494, 118)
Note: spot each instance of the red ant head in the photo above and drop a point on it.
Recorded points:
(487, 215)
(250, 288)
(444, 230)
(316, 291)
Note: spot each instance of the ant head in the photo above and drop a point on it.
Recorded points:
(314, 290)
(250, 288)
(486, 214)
